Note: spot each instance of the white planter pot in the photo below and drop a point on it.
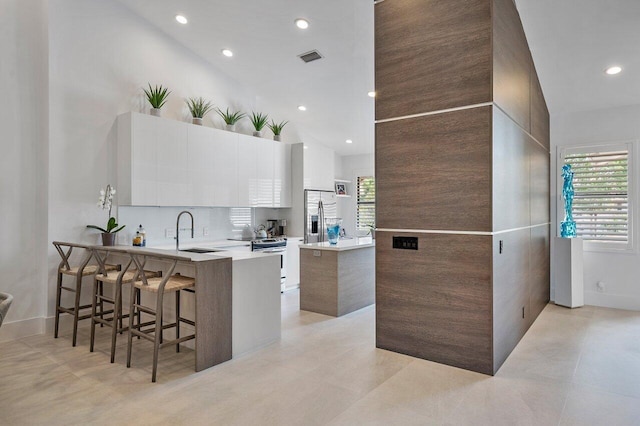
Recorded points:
(197, 120)
(257, 134)
(231, 127)
(277, 138)
(157, 112)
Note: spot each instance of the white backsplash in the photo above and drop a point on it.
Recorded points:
(222, 222)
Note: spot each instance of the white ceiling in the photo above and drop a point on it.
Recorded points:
(573, 41)
(266, 43)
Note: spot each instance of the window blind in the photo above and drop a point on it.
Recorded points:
(366, 203)
(601, 199)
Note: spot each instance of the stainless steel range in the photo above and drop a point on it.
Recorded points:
(274, 245)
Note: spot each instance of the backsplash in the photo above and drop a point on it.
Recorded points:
(222, 222)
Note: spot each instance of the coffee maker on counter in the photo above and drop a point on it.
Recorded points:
(277, 227)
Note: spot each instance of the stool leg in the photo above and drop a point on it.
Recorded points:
(117, 318)
(76, 310)
(58, 297)
(158, 336)
(131, 316)
(119, 301)
(101, 288)
(178, 319)
(94, 299)
(139, 299)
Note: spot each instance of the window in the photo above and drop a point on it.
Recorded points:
(366, 203)
(601, 205)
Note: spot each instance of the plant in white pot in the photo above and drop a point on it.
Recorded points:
(259, 121)
(230, 118)
(104, 202)
(276, 128)
(199, 107)
(157, 97)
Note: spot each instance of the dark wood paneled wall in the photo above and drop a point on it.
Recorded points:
(435, 302)
(424, 46)
(434, 172)
(459, 300)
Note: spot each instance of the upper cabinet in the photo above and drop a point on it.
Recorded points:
(319, 168)
(170, 163)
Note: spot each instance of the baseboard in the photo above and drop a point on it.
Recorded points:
(19, 329)
(617, 301)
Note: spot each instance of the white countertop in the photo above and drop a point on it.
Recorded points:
(348, 244)
(226, 247)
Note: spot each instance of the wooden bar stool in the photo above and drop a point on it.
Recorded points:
(116, 279)
(79, 272)
(169, 283)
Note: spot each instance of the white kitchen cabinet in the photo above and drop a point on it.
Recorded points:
(293, 262)
(170, 163)
(282, 175)
(224, 164)
(319, 168)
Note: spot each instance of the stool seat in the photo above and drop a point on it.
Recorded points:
(175, 283)
(88, 270)
(112, 276)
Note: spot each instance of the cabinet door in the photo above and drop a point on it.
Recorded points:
(144, 135)
(173, 164)
(293, 262)
(225, 168)
(201, 153)
(247, 173)
(282, 175)
(264, 172)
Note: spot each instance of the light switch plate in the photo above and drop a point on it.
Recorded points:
(205, 232)
(170, 233)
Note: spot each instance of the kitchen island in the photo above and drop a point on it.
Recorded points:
(337, 279)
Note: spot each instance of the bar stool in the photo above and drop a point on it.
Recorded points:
(169, 283)
(116, 278)
(79, 272)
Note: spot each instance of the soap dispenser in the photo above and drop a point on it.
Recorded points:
(143, 235)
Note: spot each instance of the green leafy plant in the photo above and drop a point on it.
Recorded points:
(104, 202)
(199, 107)
(259, 120)
(157, 96)
(276, 128)
(229, 117)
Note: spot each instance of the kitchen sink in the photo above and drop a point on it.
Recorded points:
(201, 250)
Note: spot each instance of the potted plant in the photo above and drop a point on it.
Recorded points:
(259, 121)
(276, 128)
(199, 108)
(104, 202)
(231, 118)
(157, 97)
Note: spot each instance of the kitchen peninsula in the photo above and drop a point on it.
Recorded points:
(337, 279)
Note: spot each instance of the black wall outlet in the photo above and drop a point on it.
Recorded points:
(405, 243)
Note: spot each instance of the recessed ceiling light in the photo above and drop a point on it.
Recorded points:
(227, 53)
(181, 19)
(302, 108)
(349, 141)
(372, 94)
(301, 23)
(306, 147)
(613, 70)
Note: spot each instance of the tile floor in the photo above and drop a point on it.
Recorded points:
(574, 367)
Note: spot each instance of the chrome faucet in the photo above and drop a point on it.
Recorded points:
(183, 229)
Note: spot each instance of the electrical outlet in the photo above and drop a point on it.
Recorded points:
(169, 233)
(205, 231)
(601, 287)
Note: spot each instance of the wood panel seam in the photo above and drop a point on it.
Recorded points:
(426, 114)
(452, 232)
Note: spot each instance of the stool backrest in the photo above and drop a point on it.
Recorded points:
(65, 249)
(5, 303)
(101, 253)
(140, 259)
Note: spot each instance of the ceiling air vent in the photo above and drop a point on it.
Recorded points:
(314, 55)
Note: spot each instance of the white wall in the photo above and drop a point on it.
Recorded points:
(101, 55)
(619, 271)
(351, 167)
(23, 163)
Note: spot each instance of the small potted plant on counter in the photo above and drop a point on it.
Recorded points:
(259, 121)
(157, 97)
(199, 107)
(231, 118)
(276, 128)
(104, 202)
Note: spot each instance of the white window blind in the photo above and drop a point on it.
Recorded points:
(601, 200)
(366, 209)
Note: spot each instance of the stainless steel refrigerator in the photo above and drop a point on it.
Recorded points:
(318, 206)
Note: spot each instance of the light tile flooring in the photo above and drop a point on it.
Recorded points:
(575, 367)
